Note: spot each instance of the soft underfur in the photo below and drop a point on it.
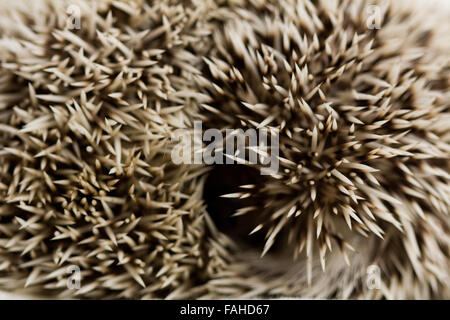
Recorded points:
(86, 118)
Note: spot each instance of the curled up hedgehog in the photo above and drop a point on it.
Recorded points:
(358, 93)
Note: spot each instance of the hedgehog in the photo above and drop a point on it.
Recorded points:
(85, 137)
(363, 121)
(93, 92)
